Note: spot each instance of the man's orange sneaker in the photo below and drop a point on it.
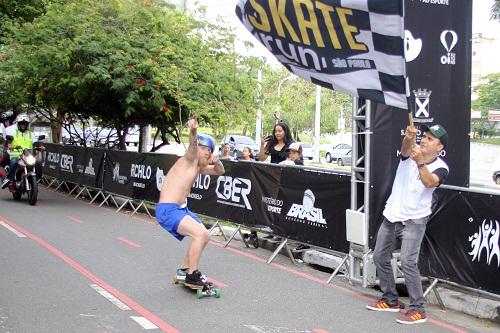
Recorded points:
(413, 317)
(382, 305)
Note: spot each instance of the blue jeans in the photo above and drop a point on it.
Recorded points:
(411, 235)
(13, 168)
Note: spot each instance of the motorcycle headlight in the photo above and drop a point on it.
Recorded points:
(31, 160)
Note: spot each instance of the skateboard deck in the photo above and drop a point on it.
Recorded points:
(201, 292)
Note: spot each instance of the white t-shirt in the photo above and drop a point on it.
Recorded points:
(410, 199)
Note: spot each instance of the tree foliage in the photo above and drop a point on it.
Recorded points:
(125, 62)
(489, 99)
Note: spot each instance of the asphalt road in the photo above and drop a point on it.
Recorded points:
(67, 266)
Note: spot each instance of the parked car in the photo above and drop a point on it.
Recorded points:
(496, 177)
(334, 153)
(237, 143)
(307, 150)
(345, 160)
(74, 136)
(133, 136)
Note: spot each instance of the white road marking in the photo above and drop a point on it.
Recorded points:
(8, 227)
(109, 297)
(275, 329)
(146, 324)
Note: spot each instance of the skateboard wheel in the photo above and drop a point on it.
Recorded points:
(174, 280)
(199, 293)
(217, 293)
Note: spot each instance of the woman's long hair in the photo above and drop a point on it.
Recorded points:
(273, 141)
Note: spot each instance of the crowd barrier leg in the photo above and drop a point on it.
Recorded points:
(217, 225)
(61, 184)
(279, 248)
(342, 263)
(74, 188)
(97, 195)
(52, 182)
(84, 188)
(129, 202)
(143, 204)
(106, 198)
(433, 287)
(238, 229)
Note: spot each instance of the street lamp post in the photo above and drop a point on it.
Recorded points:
(291, 77)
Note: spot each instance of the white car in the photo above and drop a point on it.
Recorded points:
(307, 150)
(339, 151)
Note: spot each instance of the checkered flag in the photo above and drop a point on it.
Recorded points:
(353, 46)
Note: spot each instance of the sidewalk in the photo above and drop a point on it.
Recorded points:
(456, 299)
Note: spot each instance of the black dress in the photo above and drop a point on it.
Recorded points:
(278, 156)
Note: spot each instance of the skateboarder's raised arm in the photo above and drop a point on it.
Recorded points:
(192, 151)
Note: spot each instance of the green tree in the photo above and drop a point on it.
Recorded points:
(489, 99)
(125, 62)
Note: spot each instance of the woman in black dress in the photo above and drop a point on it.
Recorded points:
(276, 144)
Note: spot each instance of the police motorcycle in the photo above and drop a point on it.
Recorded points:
(25, 179)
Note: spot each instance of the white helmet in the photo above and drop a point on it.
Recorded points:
(23, 117)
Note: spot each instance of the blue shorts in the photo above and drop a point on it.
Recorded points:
(169, 215)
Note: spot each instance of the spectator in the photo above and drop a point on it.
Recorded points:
(275, 145)
(294, 155)
(247, 155)
(225, 154)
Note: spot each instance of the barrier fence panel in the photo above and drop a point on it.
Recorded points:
(306, 205)
(313, 207)
(50, 165)
(93, 171)
(117, 172)
(462, 240)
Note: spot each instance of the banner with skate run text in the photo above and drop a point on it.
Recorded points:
(353, 46)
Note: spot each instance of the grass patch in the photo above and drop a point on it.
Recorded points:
(491, 141)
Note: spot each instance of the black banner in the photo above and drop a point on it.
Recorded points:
(117, 172)
(71, 164)
(313, 207)
(93, 171)
(50, 164)
(462, 242)
(147, 173)
(438, 65)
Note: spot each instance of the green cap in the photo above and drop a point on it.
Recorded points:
(438, 131)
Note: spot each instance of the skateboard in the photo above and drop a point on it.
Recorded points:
(207, 290)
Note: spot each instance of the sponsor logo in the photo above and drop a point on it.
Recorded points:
(422, 105)
(53, 157)
(273, 205)
(486, 242)
(436, 2)
(234, 191)
(449, 39)
(195, 196)
(89, 169)
(306, 212)
(160, 177)
(202, 182)
(140, 171)
(117, 178)
(66, 163)
(413, 46)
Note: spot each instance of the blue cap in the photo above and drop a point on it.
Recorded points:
(207, 141)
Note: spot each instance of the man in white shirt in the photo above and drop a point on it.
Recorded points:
(406, 213)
